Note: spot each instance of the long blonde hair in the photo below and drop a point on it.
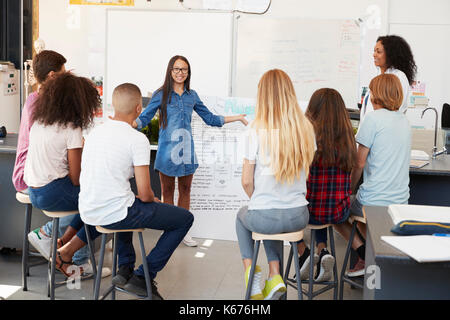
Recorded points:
(282, 127)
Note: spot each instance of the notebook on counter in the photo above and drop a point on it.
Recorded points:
(401, 212)
(419, 155)
(422, 248)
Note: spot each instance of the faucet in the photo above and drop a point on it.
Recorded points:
(435, 152)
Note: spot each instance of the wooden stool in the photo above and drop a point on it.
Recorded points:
(113, 288)
(292, 238)
(56, 215)
(345, 278)
(311, 282)
(25, 199)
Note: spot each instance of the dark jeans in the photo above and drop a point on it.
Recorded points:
(58, 195)
(174, 221)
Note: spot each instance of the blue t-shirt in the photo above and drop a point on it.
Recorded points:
(386, 174)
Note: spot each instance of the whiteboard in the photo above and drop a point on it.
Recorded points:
(140, 43)
(314, 53)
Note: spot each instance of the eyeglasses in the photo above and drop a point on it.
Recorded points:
(183, 70)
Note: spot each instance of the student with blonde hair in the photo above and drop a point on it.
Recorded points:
(383, 156)
(279, 148)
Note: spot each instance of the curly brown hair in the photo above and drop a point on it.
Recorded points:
(67, 100)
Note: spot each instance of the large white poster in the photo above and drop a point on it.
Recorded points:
(217, 194)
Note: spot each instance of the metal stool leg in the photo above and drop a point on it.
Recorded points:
(297, 270)
(288, 265)
(146, 271)
(311, 264)
(344, 265)
(26, 247)
(98, 279)
(91, 252)
(53, 258)
(252, 270)
(333, 253)
(114, 264)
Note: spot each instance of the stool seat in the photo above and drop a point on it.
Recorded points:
(104, 230)
(59, 214)
(318, 227)
(288, 236)
(23, 198)
(357, 218)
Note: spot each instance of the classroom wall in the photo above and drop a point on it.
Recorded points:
(78, 32)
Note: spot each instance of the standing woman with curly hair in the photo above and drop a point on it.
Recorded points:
(393, 55)
(65, 107)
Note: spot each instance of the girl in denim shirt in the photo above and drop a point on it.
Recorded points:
(176, 157)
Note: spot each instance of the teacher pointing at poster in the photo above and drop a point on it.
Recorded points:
(393, 55)
(176, 157)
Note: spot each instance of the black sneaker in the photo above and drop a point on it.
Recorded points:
(137, 286)
(325, 266)
(123, 275)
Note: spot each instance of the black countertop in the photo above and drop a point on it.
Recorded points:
(9, 144)
(439, 166)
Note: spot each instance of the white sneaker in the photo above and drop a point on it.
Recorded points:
(41, 242)
(189, 241)
(324, 266)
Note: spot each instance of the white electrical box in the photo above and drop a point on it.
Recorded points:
(9, 97)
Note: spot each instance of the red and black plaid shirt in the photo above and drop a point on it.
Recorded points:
(328, 193)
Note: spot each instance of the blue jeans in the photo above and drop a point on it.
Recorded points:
(59, 195)
(268, 221)
(174, 221)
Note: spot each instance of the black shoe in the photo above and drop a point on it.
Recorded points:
(137, 286)
(123, 275)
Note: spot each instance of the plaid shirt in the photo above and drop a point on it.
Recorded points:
(328, 193)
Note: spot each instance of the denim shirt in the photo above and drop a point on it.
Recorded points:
(176, 155)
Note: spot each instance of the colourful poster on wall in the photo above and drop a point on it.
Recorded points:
(104, 2)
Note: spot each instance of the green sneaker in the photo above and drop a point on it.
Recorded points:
(274, 288)
(256, 293)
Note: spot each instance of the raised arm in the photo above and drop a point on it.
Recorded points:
(212, 119)
(149, 112)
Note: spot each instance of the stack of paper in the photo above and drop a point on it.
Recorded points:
(419, 155)
(422, 248)
(400, 212)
